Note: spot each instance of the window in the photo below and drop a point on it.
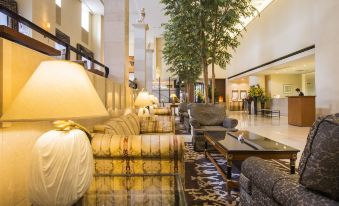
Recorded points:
(58, 3)
(85, 17)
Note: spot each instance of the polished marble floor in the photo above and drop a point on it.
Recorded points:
(274, 128)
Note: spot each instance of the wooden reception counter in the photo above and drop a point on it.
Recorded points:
(301, 110)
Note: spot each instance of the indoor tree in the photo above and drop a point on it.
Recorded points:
(208, 29)
(180, 52)
(225, 27)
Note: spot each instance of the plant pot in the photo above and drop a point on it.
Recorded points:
(255, 105)
(249, 106)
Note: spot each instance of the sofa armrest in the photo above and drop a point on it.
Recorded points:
(194, 123)
(230, 123)
(262, 174)
(290, 192)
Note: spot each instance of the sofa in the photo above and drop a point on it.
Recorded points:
(208, 117)
(132, 145)
(317, 181)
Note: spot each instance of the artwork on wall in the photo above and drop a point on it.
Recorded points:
(287, 89)
(235, 95)
(243, 94)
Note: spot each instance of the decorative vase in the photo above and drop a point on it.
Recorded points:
(249, 107)
(255, 99)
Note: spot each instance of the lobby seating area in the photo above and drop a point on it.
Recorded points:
(167, 103)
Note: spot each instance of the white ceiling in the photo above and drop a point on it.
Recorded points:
(299, 66)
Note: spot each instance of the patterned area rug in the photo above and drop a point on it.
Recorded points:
(203, 183)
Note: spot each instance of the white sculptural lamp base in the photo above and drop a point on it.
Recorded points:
(62, 168)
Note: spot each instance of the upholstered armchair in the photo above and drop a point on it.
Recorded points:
(317, 181)
(208, 117)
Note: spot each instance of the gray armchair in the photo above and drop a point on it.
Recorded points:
(208, 117)
(317, 182)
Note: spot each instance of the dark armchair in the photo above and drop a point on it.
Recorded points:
(208, 117)
(317, 182)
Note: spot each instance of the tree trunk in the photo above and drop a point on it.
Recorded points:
(213, 83)
(205, 69)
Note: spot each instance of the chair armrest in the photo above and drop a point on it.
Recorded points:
(184, 114)
(262, 174)
(194, 123)
(230, 123)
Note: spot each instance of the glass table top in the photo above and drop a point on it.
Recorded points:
(252, 142)
(135, 190)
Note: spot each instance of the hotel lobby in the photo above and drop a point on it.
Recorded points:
(169, 102)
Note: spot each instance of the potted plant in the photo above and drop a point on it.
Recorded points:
(255, 92)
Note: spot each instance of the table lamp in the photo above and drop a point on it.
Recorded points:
(142, 101)
(173, 97)
(62, 159)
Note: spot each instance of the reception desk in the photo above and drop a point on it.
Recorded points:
(301, 110)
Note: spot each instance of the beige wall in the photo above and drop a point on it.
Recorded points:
(326, 56)
(17, 63)
(287, 26)
(277, 82)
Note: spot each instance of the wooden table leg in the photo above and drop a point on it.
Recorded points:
(229, 173)
(205, 151)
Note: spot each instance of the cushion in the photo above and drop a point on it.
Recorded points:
(132, 121)
(160, 124)
(208, 114)
(319, 169)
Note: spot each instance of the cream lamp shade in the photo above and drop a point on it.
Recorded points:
(143, 100)
(62, 160)
(56, 90)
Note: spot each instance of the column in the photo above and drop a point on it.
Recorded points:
(116, 36)
(149, 69)
(140, 54)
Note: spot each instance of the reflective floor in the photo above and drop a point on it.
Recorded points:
(274, 128)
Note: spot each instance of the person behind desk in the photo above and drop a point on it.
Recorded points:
(300, 93)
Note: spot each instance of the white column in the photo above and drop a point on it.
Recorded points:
(116, 36)
(140, 54)
(149, 69)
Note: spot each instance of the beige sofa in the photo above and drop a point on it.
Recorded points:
(133, 145)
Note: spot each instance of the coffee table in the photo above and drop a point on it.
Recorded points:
(227, 144)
